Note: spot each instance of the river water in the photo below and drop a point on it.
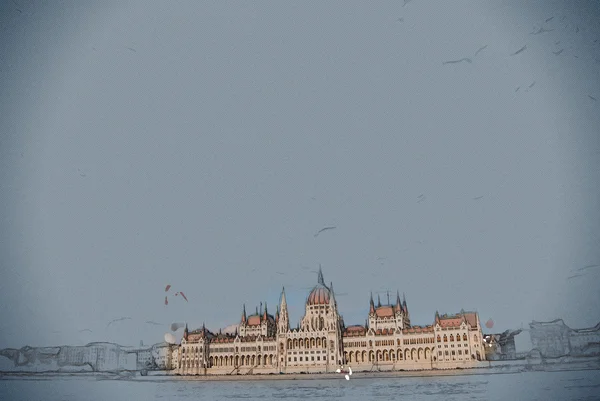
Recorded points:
(529, 386)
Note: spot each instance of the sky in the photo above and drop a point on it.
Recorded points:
(204, 144)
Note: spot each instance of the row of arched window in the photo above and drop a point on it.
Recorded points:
(238, 360)
(419, 354)
(464, 338)
(307, 343)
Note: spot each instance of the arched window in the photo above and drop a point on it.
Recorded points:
(439, 339)
(445, 339)
(464, 337)
(451, 337)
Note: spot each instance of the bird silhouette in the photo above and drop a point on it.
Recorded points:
(558, 52)
(325, 229)
(118, 320)
(593, 98)
(541, 30)
(481, 49)
(522, 49)
(468, 60)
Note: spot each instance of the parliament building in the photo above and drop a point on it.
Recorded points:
(266, 344)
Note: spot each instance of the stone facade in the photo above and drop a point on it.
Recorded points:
(321, 342)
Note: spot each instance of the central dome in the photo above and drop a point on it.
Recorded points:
(320, 294)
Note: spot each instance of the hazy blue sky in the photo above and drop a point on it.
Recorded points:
(203, 144)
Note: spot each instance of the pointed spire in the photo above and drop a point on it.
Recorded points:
(388, 297)
(320, 279)
(244, 314)
(398, 303)
(283, 302)
(378, 301)
(265, 315)
(371, 306)
(257, 310)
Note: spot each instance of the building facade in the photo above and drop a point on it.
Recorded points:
(321, 342)
(556, 339)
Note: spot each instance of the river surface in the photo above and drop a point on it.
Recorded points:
(529, 386)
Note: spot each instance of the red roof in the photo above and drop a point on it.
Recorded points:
(384, 311)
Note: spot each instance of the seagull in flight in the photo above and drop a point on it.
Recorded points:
(481, 49)
(558, 52)
(468, 60)
(522, 49)
(541, 30)
(549, 19)
(325, 229)
(85, 330)
(593, 98)
(587, 267)
(118, 320)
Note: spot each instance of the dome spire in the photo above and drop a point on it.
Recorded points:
(320, 279)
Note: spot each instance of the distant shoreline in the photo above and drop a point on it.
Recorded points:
(158, 377)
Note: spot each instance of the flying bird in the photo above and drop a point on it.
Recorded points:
(166, 300)
(557, 42)
(522, 49)
(576, 275)
(468, 60)
(154, 323)
(406, 2)
(587, 267)
(133, 50)
(478, 197)
(400, 19)
(518, 87)
(541, 30)
(593, 98)
(421, 198)
(480, 49)
(531, 86)
(167, 288)
(549, 19)
(324, 229)
(558, 52)
(118, 320)
(85, 330)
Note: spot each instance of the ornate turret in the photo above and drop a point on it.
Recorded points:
(244, 319)
(284, 321)
(371, 305)
(398, 308)
(185, 332)
(378, 301)
(265, 316)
